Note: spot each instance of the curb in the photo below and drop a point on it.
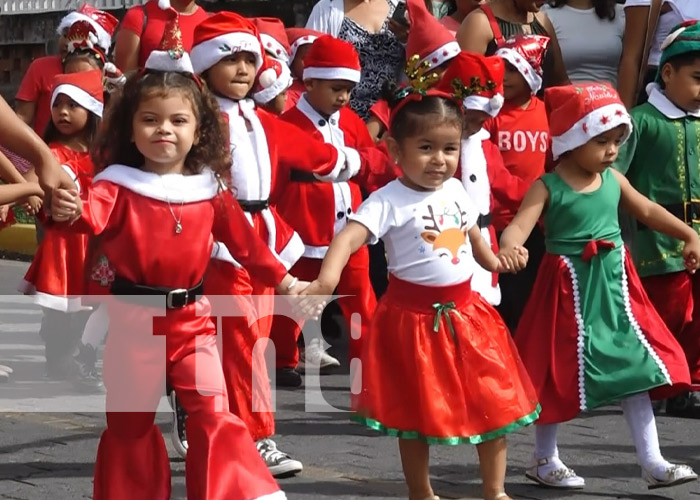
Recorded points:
(19, 238)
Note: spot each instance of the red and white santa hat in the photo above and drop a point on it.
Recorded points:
(85, 88)
(170, 54)
(104, 24)
(299, 37)
(273, 36)
(332, 59)
(477, 80)
(274, 79)
(427, 37)
(578, 113)
(526, 53)
(221, 35)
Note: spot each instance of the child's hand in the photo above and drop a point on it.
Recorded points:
(513, 259)
(691, 254)
(313, 299)
(4, 211)
(65, 205)
(33, 204)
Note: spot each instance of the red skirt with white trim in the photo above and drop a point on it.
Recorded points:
(439, 365)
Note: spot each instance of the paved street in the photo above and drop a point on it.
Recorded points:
(51, 455)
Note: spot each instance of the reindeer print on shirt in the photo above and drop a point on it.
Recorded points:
(446, 231)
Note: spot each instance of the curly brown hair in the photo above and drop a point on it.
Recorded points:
(114, 143)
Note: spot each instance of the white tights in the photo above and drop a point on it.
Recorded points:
(640, 419)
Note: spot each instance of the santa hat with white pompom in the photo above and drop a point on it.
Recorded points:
(221, 35)
(274, 78)
(170, 55)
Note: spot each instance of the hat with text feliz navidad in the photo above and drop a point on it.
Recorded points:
(683, 38)
(526, 53)
(578, 113)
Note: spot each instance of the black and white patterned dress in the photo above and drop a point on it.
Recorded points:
(382, 57)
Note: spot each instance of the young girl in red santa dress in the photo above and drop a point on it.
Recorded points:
(157, 199)
(589, 336)
(229, 56)
(56, 276)
(437, 354)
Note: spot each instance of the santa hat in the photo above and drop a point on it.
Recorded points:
(427, 37)
(683, 38)
(82, 36)
(85, 88)
(170, 54)
(104, 24)
(578, 113)
(526, 53)
(298, 37)
(273, 37)
(477, 80)
(332, 59)
(274, 79)
(221, 35)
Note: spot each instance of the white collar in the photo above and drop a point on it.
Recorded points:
(171, 187)
(481, 135)
(315, 116)
(658, 99)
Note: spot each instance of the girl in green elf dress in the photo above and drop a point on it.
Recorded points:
(589, 335)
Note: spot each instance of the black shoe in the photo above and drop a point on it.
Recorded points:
(686, 405)
(87, 377)
(288, 377)
(179, 437)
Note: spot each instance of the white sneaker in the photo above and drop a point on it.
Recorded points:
(553, 473)
(673, 476)
(278, 463)
(315, 357)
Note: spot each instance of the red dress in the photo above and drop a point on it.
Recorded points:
(177, 345)
(56, 276)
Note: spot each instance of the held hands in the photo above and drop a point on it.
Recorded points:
(691, 254)
(314, 298)
(301, 307)
(512, 259)
(65, 205)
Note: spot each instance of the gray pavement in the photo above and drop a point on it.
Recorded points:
(51, 455)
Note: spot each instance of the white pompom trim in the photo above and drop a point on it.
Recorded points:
(267, 78)
(164, 4)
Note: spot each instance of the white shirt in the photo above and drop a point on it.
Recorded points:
(424, 232)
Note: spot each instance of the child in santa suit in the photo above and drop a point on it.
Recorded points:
(300, 41)
(319, 210)
(481, 168)
(435, 47)
(227, 52)
(521, 131)
(272, 94)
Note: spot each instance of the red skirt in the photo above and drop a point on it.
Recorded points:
(547, 339)
(446, 375)
(56, 276)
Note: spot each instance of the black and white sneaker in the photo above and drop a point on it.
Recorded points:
(279, 464)
(179, 437)
(87, 379)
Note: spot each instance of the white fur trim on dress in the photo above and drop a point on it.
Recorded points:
(104, 39)
(208, 53)
(581, 333)
(219, 251)
(635, 324)
(347, 74)
(72, 176)
(533, 80)
(277, 495)
(489, 105)
(55, 302)
(292, 251)
(448, 51)
(593, 124)
(80, 96)
(175, 188)
(281, 84)
(304, 40)
(312, 252)
(160, 60)
(274, 48)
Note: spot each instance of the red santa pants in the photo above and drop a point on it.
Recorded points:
(243, 344)
(674, 296)
(359, 305)
(143, 352)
